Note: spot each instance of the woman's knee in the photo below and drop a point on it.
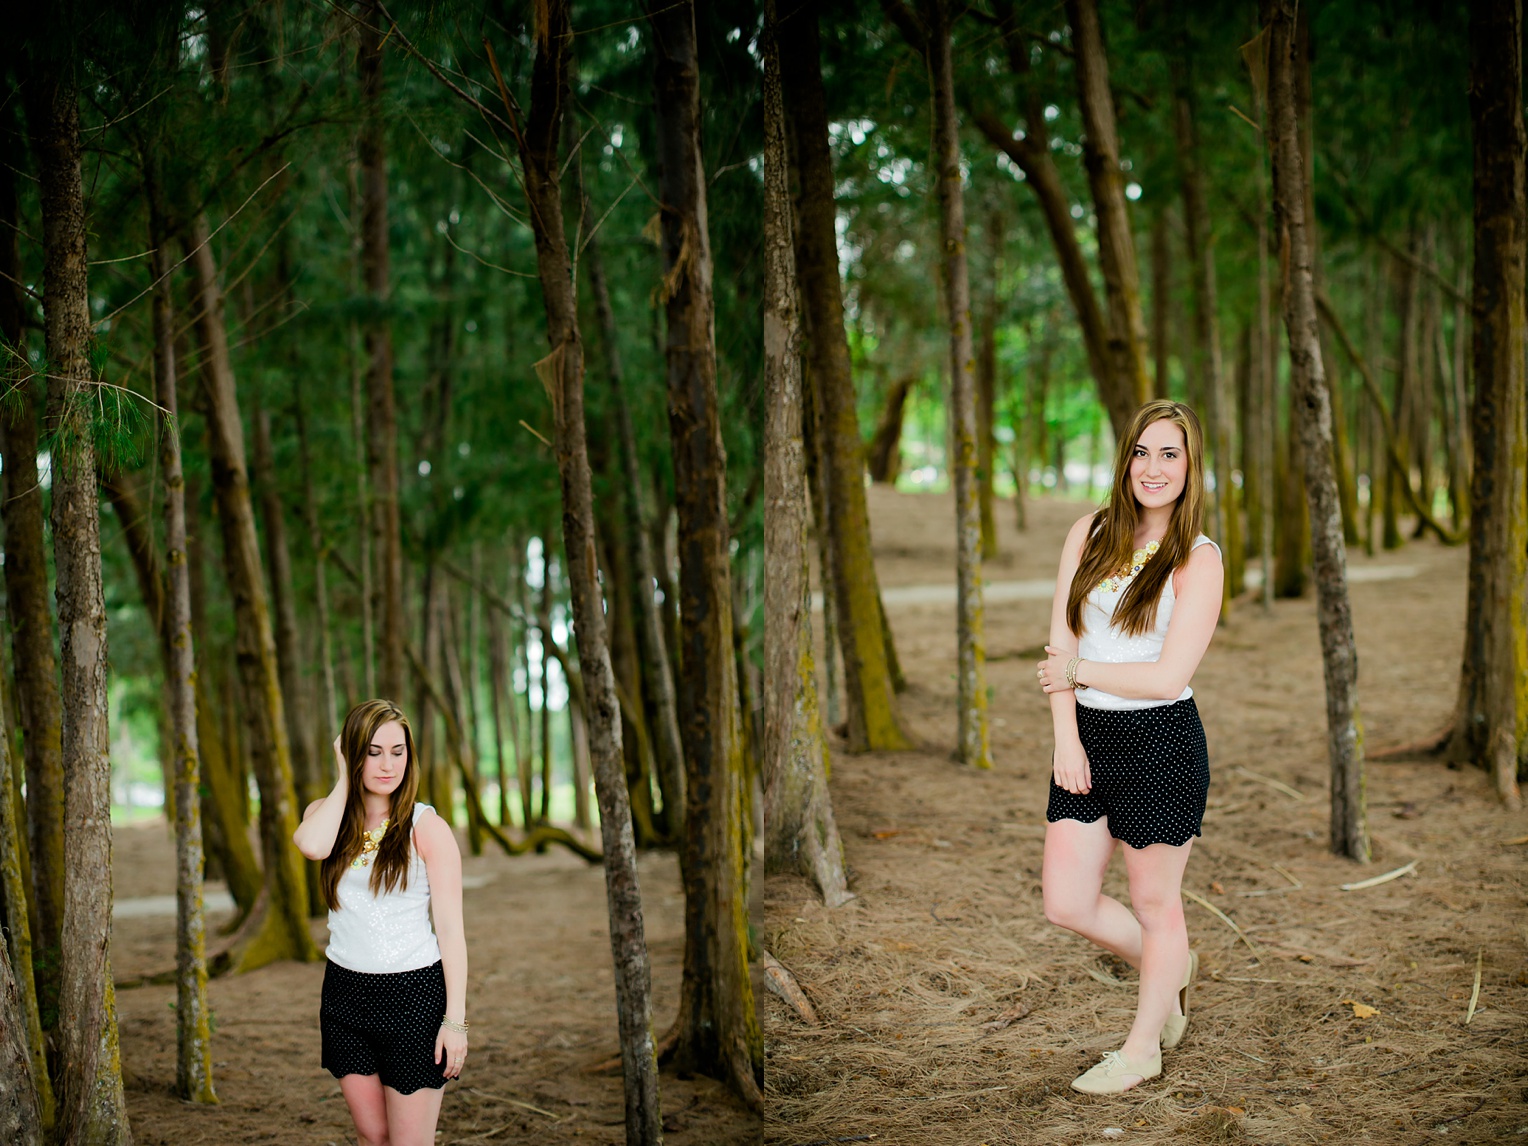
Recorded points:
(1159, 913)
(1071, 911)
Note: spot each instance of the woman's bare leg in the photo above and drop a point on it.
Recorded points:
(368, 1108)
(1076, 857)
(411, 1118)
(1156, 881)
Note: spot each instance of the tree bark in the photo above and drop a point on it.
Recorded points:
(26, 1093)
(193, 1031)
(885, 453)
(1349, 819)
(562, 374)
(1161, 289)
(717, 1026)
(382, 428)
(800, 833)
(986, 390)
(26, 600)
(874, 722)
(1116, 243)
(1491, 721)
(91, 1108)
(283, 933)
(971, 655)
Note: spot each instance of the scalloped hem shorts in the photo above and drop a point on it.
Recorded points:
(384, 1025)
(1151, 774)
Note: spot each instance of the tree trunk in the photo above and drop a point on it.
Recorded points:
(800, 833)
(1201, 257)
(456, 698)
(1452, 406)
(328, 718)
(1161, 288)
(544, 629)
(284, 931)
(193, 1031)
(873, 719)
(1032, 155)
(92, 1109)
(500, 693)
(562, 373)
(1349, 817)
(971, 654)
(817, 491)
(656, 668)
(1491, 721)
(26, 600)
(1116, 243)
(306, 781)
(382, 427)
(986, 391)
(884, 456)
(26, 1093)
(718, 1028)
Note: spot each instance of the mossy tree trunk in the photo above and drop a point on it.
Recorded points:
(869, 692)
(1491, 720)
(91, 1110)
(1313, 425)
(986, 388)
(800, 833)
(283, 932)
(718, 1027)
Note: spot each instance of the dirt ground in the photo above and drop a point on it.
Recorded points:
(540, 999)
(947, 933)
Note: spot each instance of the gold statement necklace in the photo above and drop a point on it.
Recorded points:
(1138, 561)
(370, 842)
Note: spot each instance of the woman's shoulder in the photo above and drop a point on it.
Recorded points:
(421, 808)
(1202, 540)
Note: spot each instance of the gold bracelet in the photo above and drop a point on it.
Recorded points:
(459, 1028)
(1071, 673)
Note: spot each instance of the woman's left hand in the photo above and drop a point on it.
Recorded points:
(451, 1051)
(1052, 670)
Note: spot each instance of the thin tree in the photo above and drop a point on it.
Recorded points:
(1491, 720)
(20, 1118)
(871, 707)
(562, 373)
(800, 832)
(381, 411)
(1313, 417)
(929, 33)
(193, 1031)
(718, 1028)
(92, 1108)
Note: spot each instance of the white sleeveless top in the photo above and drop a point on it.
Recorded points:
(385, 932)
(1102, 642)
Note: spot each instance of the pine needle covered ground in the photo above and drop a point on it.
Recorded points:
(952, 1012)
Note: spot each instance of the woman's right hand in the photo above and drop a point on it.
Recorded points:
(339, 761)
(1070, 769)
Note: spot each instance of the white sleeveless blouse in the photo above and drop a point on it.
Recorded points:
(386, 932)
(1102, 642)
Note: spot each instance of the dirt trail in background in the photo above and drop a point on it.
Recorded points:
(948, 934)
(540, 999)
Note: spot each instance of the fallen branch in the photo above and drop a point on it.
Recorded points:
(782, 983)
(1005, 1020)
(1276, 785)
(1226, 919)
(1519, 840)
(514, 1102)
(1429, 745)
(1375, 881)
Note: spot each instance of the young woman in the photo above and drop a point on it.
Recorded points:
(1137, 600)
(394, 1010)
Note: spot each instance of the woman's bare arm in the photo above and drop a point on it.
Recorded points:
(1070, 766)
(320, 825)
(443, 864)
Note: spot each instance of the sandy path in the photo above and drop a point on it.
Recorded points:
(948, 934)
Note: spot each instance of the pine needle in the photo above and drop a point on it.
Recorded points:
(1475, 994)
(1276, 785)
(1375, 881)
(1226, 919)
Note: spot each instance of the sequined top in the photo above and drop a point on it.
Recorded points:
(1102, 642)
(385, 932)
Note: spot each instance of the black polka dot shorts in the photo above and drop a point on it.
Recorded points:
(384, 1025)
(1151, 773)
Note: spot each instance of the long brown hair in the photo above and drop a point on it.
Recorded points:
(390, 869)
(1111, 537)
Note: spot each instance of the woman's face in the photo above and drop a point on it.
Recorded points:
(386, 760)
(1159, 465)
